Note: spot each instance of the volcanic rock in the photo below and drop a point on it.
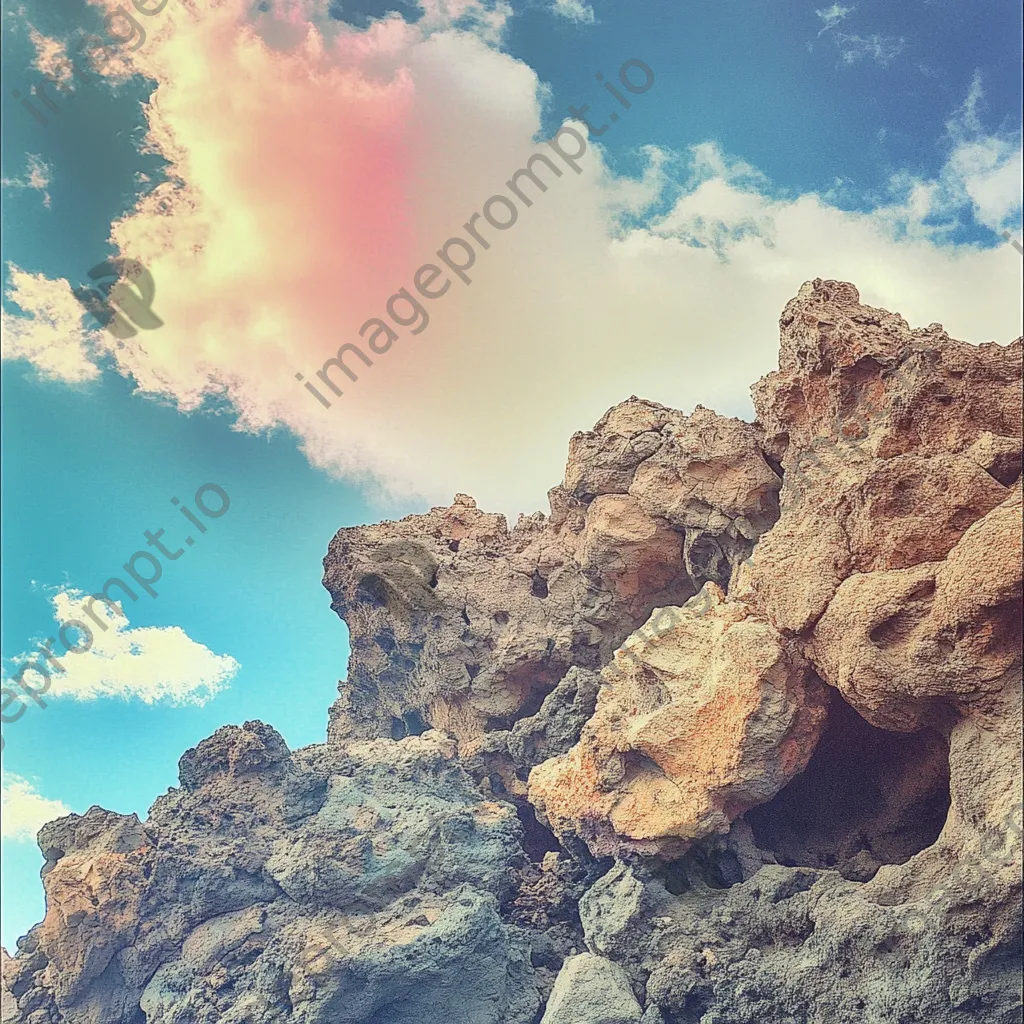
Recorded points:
(733, 734)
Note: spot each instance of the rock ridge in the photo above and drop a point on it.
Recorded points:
(732, 734)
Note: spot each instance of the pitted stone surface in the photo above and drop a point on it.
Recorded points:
(684, 670)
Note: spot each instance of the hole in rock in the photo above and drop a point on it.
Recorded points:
(530, 707)
(1006, 470)
(867, 797)
(717, 869)
(453, 545)
(410, 724)
(373, 590)
(539, 586)
(538, 839)
(501, 618)
(707, 562)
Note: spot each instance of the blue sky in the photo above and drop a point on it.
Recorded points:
(851, 105)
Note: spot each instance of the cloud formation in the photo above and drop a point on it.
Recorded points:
(24, 810)
(38, 176)
(147, 663)
(314, 166)
(832, 16)
(574, 10)
(50, 334)
(883, 50)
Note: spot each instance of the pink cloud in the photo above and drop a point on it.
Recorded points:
(313, 167)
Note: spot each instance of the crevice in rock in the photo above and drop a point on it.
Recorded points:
(411, 723)
(708, 866)
(538, 839)
(867, 797)
(1007, 471)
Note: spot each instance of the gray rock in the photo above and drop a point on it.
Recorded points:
(556, 727)
(460, 624)
(591, 990)
(316, 887)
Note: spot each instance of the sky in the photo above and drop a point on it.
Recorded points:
(283, 170)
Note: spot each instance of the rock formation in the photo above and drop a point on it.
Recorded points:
(732, 735)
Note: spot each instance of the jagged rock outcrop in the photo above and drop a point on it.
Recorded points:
(316, 886)
(734, 734)
(894, 569)
(711, 717)
(459, 624)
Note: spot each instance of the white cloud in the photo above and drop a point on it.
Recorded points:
(52, 336)
(574, 10)
(38, 176)
(283, 241)
(148, 663)
(981, 179)
(832, 16)
(24, 810)
(883, 50)
(485, 18)
(986, 168)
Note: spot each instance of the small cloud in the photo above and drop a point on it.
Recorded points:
(52, 335)
(983, 169)
(980, 181)
(966, 119)
(574, 10)
(883, 50)
(486, 19)
(24, 810)
(149, 663)
(38, 176)
(831, 16)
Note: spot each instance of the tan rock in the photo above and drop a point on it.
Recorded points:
(896, 557)
(905, 646)
(460, 624)
(694, 726)
(864, 516)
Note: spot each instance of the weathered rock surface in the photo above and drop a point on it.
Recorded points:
(316, 886)
(763, 682)
(592, 990)
(459, 624)
(709, 718)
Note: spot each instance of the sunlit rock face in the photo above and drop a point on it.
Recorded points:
(733, 733)
(693, 727)
(460, 624)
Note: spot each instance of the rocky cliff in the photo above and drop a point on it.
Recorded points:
(732, 736)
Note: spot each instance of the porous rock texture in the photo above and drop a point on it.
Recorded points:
(733, 736)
